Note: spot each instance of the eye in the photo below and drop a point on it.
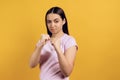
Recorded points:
(48, 21)
(56, 21)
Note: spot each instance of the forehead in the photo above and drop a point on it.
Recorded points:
(53, 16)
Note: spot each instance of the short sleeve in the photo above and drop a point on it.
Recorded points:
(70, 42)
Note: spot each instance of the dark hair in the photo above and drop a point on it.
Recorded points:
(60, 12)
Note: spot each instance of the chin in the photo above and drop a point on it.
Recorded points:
(53, 32)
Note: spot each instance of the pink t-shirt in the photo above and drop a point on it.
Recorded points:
(49, 64)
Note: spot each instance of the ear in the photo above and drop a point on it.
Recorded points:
(64, 21)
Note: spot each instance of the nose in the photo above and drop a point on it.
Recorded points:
(52, 24)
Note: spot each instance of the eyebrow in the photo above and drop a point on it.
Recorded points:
(54, 19)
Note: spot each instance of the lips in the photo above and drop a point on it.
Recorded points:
(52, 29)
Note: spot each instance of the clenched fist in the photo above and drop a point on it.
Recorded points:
(43, 39)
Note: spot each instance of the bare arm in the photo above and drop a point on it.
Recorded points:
(35, 58)
(67, 59)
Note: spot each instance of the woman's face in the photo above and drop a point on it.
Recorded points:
(55, 23)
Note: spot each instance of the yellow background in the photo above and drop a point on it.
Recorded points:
(94, 23)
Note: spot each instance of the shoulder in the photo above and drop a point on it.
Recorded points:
(67, 38)
(68, 41)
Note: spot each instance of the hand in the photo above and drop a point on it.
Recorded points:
(56, 43)
(44, 38)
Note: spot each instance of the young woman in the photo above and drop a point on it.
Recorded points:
(55, 51)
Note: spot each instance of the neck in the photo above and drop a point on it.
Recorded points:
(57, 35)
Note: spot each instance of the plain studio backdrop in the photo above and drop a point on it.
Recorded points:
(94, 23)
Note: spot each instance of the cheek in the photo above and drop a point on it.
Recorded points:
(48, 25)
(60, 25)
(59, 28)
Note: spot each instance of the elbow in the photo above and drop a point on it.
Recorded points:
(32, 65)
(67, 73)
